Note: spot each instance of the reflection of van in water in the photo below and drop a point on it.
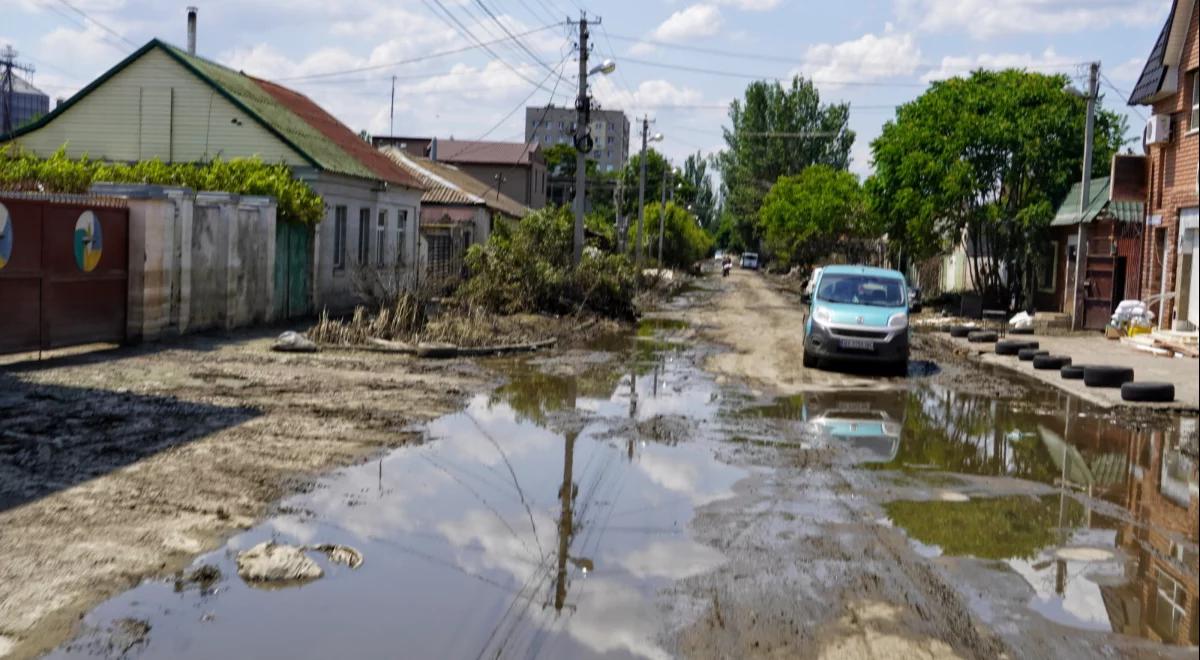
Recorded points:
(871, 422)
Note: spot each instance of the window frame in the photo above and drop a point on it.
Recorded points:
(364, 236)
(1052, 271)
(381, 223)
(1194, 122)
(340, 220)
(401, 236)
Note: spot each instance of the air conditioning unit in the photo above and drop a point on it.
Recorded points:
(1158, 129)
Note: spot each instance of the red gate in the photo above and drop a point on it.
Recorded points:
(63, 271)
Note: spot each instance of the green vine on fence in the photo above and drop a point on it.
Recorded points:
(21, 170)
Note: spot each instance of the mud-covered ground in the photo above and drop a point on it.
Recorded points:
(124, 464)
(687, 490)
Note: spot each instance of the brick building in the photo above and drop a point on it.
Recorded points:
(1170, 86)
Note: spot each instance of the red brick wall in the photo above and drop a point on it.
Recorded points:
(1173, 173)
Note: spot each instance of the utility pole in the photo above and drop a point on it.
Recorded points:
(8, 62)
(1085, 192)
(641, 191)
(583, 140)
(392, 113)
(662, 213)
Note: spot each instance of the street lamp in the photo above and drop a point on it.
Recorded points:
(646, 137)
(606, 67)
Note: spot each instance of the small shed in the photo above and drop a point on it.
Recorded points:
(1112, 234)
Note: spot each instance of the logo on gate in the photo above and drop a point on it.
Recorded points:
(88, 241)
(6, 236)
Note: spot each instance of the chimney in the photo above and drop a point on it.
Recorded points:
(433, 149)
(191, 12)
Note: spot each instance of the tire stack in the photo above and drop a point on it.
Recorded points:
(1013, 346)
(961, 331)
(1123, 377)
(1048, 362)
(982, 336)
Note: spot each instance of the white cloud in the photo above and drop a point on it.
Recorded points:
(701, 20)
(869, 57)
(752, 5)
(988, 18)
(648, 93)
(1127, 71)
(1048, 62)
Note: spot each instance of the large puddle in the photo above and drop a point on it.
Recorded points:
(540, 521)
(544, 519)
(1115, 550)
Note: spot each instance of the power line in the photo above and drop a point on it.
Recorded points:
(757, 76)
(520, 105)
(515, 40)
(97, 23)
(465, 31)
(414, 60)
(104, 38)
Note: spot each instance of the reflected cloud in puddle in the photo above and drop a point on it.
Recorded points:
(497, 536)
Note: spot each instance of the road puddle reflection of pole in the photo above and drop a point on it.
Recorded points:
(565, 522)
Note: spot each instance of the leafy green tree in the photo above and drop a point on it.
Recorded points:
(695, 191)
(777, 131)
(803, 215)
(684, 242)
(985, 158)
(560, 162)
(656, 168)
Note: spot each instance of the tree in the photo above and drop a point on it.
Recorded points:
(684, 242)
(984, 158)
(695, 191)
(560, 162)
(656, 167)
(804, 215)
(777, 131)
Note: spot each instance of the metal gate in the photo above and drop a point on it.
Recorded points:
(293, 268)
(63, 271)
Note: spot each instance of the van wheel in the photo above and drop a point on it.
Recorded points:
(900, 369)
(810, 362)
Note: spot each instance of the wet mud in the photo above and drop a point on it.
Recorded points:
(637, 497)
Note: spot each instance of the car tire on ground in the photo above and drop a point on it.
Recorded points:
(1148, 391)
(809, 361)
(982, 336)
(1011, 346)
(1072, 371)
(961, 330)
(1027, 354)
(1021, 331)
(1047, 362)
(1106, 376)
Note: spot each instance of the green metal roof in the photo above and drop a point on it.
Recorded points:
(1099, 204)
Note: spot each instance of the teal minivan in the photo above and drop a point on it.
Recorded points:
(858, 314)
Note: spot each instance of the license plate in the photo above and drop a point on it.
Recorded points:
(857, 344)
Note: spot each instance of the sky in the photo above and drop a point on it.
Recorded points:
(679, 62)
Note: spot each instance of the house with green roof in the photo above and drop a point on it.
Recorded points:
(1112, 258)
(165, 103)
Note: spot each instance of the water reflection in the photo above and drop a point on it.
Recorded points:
(1134, 574)
(500, 536)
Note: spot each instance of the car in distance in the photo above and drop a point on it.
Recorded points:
(750, 260)
(858, 314)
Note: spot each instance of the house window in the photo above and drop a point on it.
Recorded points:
(1170, 606)
(381, 239)
(401, 235)
(339, 237)
(364, 236)
(1049, 268)
(1195, 122)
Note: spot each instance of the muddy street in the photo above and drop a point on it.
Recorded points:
(684, 489)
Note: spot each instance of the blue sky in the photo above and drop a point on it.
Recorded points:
(872, 53)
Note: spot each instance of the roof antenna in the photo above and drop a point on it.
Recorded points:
(191, 27)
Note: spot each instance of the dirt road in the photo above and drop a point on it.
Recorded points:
(122, 465)
(763, 327)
